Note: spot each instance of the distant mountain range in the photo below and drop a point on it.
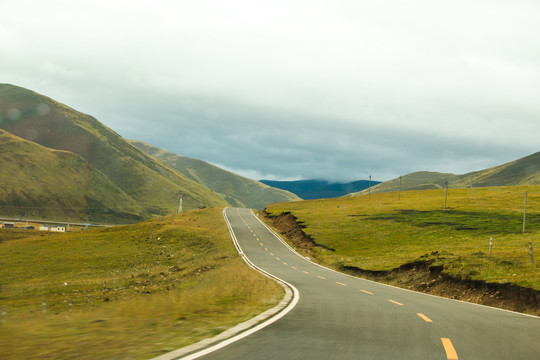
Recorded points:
(60, 163)
(524, 171)
(319, 189)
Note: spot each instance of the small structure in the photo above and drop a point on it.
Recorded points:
(29, 227)
(9, 225)
(53, 228)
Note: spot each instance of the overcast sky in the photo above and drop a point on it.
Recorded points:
(293, 89)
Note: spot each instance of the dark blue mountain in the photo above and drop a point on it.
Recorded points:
(319, 189)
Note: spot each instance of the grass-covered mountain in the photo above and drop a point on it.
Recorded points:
(524, 171)
(149, 186)
(320, 189)
(31, 185)
(235, 189)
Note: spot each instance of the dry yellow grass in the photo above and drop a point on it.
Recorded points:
(188, 285)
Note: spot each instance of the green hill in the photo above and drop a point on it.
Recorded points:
(149, 183)
(524, 171)
(32, 188)
(235, 189)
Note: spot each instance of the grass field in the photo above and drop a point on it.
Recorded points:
(380, 232)
(135, 291)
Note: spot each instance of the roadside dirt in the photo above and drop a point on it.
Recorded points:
(421, 275)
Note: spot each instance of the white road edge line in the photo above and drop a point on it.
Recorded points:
(246, 328)
(378, 283)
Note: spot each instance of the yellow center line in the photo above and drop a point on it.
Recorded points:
(321, 277)
(278, 259)
(272, 253)
(395, 302)
(451, 353)
(255, 235)
(266, 249)
(367, 292)
(284, 263)
(293, 267)
(426, 319)
(337, 282)
(261, 244)
(305, 272)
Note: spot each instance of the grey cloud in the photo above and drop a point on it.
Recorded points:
(293, 89)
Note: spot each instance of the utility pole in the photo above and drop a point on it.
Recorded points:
(399, 192)
(445, 193)
(525, 212)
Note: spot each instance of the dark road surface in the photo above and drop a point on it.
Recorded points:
(341, 317)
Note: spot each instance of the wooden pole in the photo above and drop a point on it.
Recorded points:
(399, 193)
(525, 212)
(445, 194)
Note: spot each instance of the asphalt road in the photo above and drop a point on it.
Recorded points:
(341, 317)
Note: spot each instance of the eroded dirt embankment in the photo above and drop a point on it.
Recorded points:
(421, 275)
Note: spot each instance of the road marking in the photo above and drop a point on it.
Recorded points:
(284, 263)
(451, 353)
(337, 282)
(395, 302)
(367, 292)
(426, 319)
(261, 244)
(255, 235)
(293, 267)
(266, 249)
(272, 253)
(278, 259)
(305, 272)
(321, 277)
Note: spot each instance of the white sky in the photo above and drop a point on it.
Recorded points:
(293, 89)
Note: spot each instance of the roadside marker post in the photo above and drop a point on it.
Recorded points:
(531, 252)
(490, 244)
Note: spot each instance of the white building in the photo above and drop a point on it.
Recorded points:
(58, 228)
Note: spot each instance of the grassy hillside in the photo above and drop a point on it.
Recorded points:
(42, 120)
(524, 171)
(380, 232)
(29, 174)
(235, 189)
(135, 291)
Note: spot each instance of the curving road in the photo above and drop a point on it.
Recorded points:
(341, 317)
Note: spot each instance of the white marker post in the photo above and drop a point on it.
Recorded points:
(490, 244)
(180, 205)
